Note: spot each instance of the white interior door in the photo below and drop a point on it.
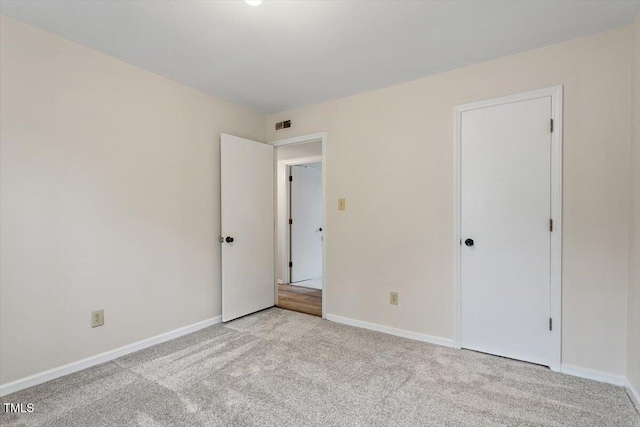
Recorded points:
(505, 210)
(247, 224)
(306, 227)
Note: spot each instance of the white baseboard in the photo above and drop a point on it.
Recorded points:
(70, 368)
(592, 374)
(578, 371)
(633, 394)
(391, 331)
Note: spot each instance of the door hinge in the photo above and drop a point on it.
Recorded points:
(550, 324)
(290, 178)
(290, 264)
(550, 225)
(290, 221)
(551, 125)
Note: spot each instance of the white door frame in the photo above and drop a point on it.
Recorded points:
(321, 136)
(284, 231)
(555, 93)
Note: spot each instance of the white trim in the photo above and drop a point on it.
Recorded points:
(320, 136)
(555, 93)
(634, 395)
(60, 371)
(391, 331)
(556, 236)
(593, 374)
(576, 371)
(283, 165)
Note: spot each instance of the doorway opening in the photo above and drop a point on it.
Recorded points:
(300, 281)
(254, 236)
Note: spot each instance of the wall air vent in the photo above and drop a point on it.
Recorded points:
(286, 124)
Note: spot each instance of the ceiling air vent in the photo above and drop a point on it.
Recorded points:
(283, 125)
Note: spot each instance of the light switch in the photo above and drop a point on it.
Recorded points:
(342, 204)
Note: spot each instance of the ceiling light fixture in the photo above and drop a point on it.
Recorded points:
(253, 2)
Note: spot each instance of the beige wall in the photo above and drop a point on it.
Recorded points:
(109, 199)
(390, 153)
(633, 337)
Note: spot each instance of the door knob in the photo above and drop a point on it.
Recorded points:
(320, 229)
(229, 239)
(468, 242)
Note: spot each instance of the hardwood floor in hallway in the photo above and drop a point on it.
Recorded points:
(298, 298)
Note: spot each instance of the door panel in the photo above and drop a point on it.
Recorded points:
(505, 210)
(306, 212)
(247, 215)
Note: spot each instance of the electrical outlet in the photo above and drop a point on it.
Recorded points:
(342, 204)
(97, 318)
(393, 298)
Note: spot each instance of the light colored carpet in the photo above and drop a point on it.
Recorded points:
(283, 368)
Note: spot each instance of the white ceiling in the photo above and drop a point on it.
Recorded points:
(288, 54)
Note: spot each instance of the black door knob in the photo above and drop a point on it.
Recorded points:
(320, 229)
(229, 239)
(468, 242)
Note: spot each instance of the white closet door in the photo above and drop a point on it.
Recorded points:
(506, 240)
